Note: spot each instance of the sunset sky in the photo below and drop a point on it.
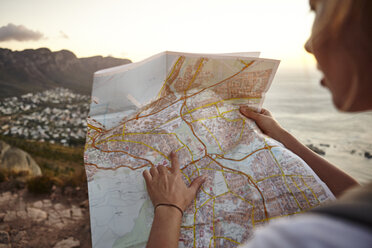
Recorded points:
(137, 29)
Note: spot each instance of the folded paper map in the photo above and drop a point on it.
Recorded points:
(189, 103)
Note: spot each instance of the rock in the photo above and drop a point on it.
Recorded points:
(37, 215)
(10, 216)
(4, 237)
(316, 149)
(6, 197)
(38, 204)
(21, 235)
(4, 227)
(66, 213)
(352, 151)
(325, 145)
(22, 214)
(47, 203)
(58, 206)
(43, 69)
(68, 243)
(76, 213)
(54, 219)
(17, 161)
(367, 155)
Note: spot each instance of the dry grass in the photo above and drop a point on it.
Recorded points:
(61, 166)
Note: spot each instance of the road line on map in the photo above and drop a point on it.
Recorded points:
(196, 93)
(302, 178)
(244, 158)
(191, 128)
(95, 128)
(229, 239)
(133, 156)
(116, 167)
(224, 80)
(242, 198)
(123, 134)
(139, 142)
(233, 193)
(195, 75)
(202, 187)
(250, 179)
(278, 175)
(171, 73)
(209, 131)
(303, 194)
(145, 133)
(284, 177)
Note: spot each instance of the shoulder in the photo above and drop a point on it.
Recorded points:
(311, 230)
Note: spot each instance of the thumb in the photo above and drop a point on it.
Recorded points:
(244, 110)
(197, 183)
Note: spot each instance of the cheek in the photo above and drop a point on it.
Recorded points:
(336, 66)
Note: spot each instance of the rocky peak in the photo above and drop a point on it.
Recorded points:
(34, 70)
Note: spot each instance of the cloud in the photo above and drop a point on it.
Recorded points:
(18, 33)
(63, 35)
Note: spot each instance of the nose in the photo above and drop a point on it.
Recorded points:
(309, 46)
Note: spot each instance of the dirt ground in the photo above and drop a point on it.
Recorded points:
(59, 219)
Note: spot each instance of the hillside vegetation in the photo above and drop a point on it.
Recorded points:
(35, 70)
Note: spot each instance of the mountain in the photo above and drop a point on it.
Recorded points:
(34, 70)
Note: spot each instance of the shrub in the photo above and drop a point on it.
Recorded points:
(3, 176)
(74, 179)
(42, 184)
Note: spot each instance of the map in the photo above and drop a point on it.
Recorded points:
(189, 104)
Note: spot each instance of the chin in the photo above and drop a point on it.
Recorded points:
(339, 105)
(344, 105)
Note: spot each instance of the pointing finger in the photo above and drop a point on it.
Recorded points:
(175, 163)
(196, 184)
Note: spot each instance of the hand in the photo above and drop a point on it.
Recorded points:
(265, 121)
(167, 186)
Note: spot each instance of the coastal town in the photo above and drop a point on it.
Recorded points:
(55, 116)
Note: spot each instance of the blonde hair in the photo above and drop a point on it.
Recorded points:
(344, 13)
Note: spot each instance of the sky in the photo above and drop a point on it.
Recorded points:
(137, 29)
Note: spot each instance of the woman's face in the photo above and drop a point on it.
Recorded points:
(335, 61)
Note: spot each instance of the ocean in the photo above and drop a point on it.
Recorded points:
(303, 107)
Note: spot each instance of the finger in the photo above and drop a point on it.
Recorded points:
(146, 174)
(197, 183)
(175, 168)
(249, 113)
(266, 112)
(154, 171)
(162, 170)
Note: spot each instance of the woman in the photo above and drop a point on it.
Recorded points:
(341, 42)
